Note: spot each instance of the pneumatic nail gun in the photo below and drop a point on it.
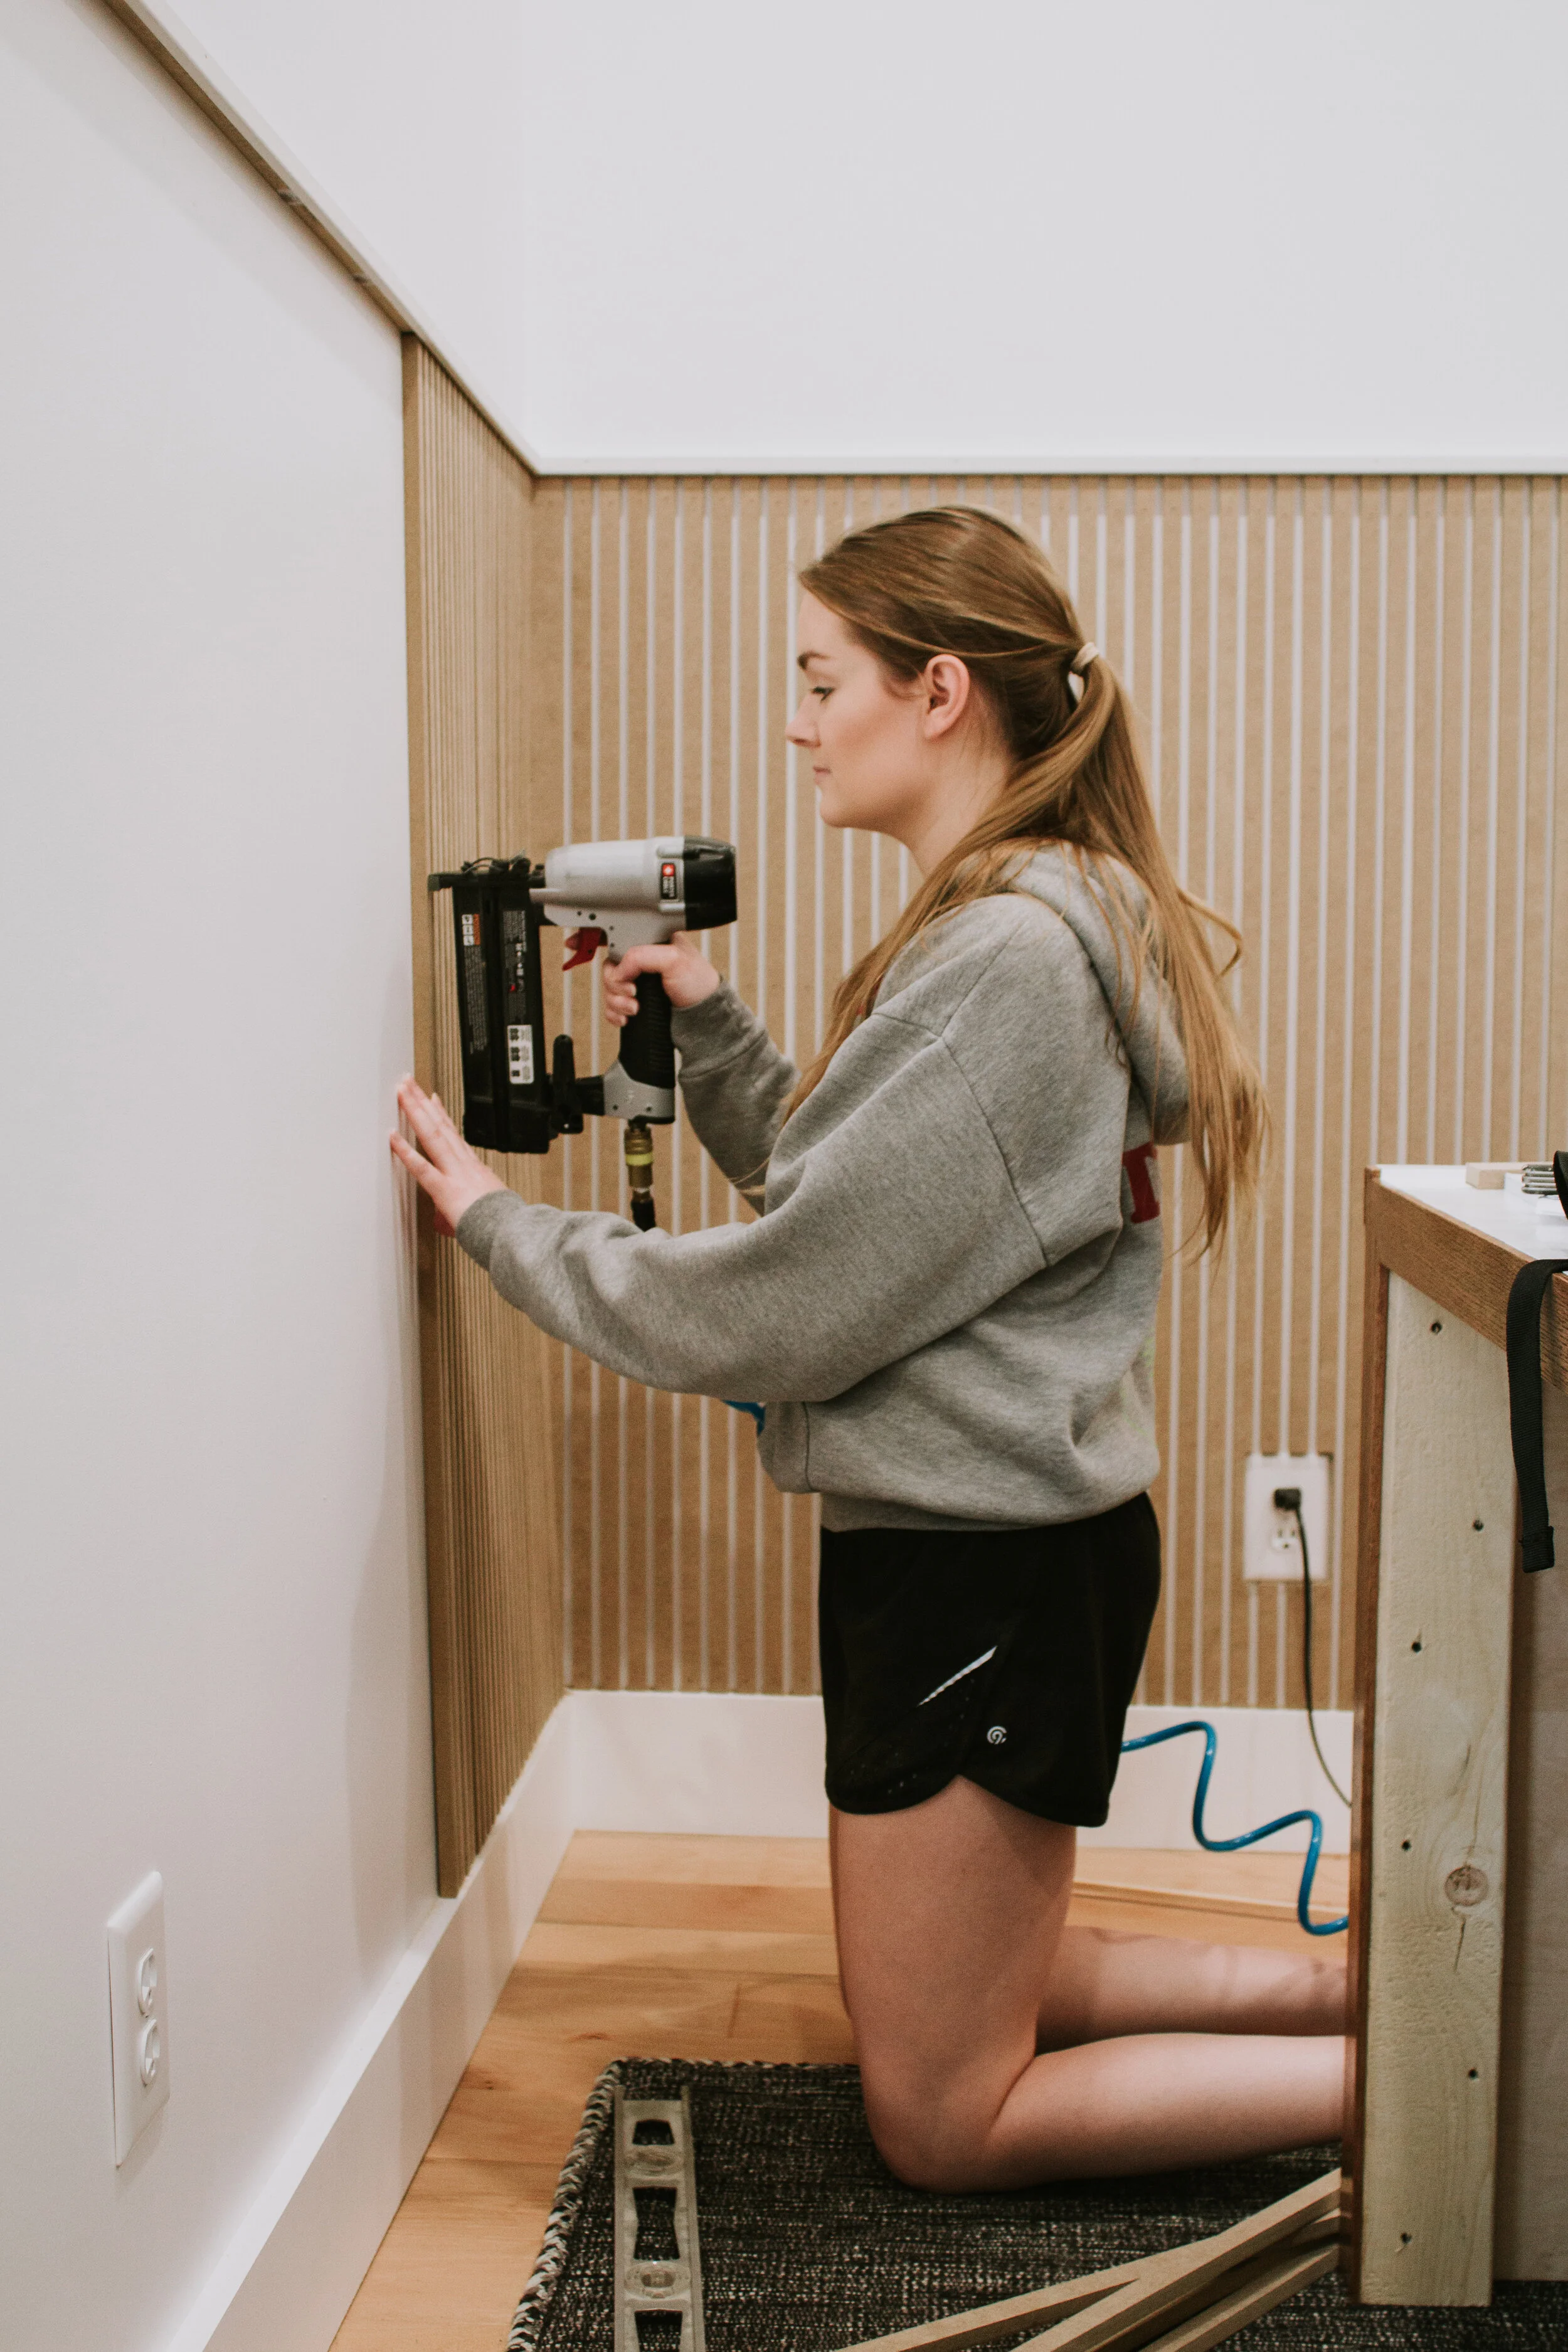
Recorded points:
(616, 894)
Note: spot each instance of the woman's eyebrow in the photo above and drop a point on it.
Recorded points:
(802, 659)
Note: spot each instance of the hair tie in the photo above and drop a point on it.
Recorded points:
(1084, 656)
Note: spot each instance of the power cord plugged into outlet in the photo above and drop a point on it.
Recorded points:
(1289, 1499)
(1286, 1499)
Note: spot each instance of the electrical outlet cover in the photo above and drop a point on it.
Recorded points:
(1271, 1547)
(138, 2013)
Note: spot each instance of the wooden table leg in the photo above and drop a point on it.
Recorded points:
(1434, 1687)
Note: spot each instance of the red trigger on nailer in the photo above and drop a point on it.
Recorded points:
(585, 946)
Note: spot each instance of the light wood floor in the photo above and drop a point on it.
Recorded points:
(688, 1947)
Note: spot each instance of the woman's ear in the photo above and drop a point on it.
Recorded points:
(948, 692)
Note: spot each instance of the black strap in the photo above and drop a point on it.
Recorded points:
(1524, 1304)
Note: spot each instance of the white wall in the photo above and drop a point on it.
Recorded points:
(1027, 233)
(214, 1662)
(1031, 232)
(408, 117)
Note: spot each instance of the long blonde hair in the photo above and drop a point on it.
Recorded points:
(955, 580)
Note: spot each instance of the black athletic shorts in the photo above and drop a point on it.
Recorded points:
(1006, 1656)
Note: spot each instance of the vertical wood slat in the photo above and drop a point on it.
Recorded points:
(1348, 693)
(492, 1520)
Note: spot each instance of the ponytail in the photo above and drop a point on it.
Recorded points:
(955, 580)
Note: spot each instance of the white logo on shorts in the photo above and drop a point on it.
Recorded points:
(983, 1659)
(996, 1734)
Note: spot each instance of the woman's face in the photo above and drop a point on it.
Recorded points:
(886, 756)
(858, 727)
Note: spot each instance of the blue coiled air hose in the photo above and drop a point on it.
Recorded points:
(1250, 1837)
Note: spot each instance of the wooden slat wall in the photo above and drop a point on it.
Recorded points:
(1349, 690)
(492, 1514)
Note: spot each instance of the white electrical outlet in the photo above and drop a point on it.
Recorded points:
(138, 2013)
(1271, 1543)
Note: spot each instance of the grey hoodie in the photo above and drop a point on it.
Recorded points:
(947, 1306)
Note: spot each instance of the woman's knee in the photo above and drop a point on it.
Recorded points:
(927, 2141)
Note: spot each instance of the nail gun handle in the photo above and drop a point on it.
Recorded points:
(647, 1050)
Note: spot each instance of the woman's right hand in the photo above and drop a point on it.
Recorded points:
(687, 974)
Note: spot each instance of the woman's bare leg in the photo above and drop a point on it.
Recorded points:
(1104, 1982)
(952, 1917)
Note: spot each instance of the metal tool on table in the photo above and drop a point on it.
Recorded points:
(658, 2262)
(615, 894)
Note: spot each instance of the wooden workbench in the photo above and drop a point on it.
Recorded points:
(1457, 2150)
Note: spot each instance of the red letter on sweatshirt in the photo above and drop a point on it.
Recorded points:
(1142, 1166)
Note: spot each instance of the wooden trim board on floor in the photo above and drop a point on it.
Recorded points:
(1197, 2294)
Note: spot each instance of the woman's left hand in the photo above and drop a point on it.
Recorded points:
(453, 1176)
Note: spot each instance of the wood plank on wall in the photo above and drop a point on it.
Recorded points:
(492, 1518)
(1348, 689)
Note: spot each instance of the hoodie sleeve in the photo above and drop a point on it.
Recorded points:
(902, 1223)
(736, 1086)
(946, 1157)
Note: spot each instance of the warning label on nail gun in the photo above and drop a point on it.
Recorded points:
(476, 1016)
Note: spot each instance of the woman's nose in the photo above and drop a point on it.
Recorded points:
(800, 729)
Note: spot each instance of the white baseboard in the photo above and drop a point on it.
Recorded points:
(290, 2271)
(723, 1764)
(709, 1764)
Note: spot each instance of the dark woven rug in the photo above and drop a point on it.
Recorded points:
(808, 2243)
